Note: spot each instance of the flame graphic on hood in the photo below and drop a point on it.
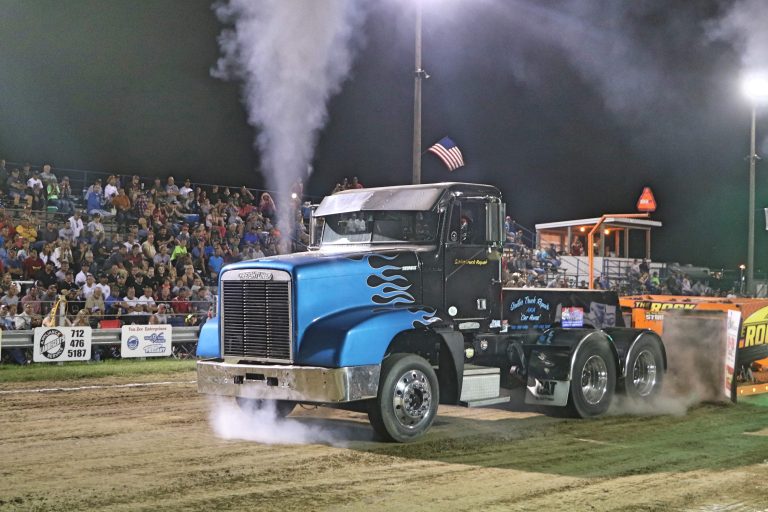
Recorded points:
(387, 281)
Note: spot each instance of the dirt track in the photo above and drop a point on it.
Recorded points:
(153, 448)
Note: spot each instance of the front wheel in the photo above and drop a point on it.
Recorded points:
(282, 408)
(593, 382)
(406, 403)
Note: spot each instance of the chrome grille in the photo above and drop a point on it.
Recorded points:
(256, 316)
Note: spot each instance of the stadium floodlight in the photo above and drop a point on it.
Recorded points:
(755, 87)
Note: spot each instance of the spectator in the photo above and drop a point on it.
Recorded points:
(24, 320)
(110, 190)
(66, 198)
(122, 205)
(94, 303)
(89, 287)
(267, 206)
(11, 297)
(147, 302)
(95, 227)
(75, 226)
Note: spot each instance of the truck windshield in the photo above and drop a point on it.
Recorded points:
(380, 226)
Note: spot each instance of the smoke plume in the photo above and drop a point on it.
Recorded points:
(264, 426)
(743, 25)
(291, 56)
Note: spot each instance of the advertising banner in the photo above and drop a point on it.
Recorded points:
(55, 344)
(146, 341)
(732, 340)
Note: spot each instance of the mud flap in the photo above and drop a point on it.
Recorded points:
(548, 376)
(547, 392)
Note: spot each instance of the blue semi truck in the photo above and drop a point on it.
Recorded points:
(400, 307)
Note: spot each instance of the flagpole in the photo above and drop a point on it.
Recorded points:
(418, 74)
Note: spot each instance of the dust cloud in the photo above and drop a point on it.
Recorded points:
(695, 346)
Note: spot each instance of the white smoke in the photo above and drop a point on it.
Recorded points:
(265, 426)
(744, 25)
(292, 56)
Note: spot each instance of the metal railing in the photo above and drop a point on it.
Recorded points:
(24, 339)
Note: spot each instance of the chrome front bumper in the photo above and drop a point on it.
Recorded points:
(297, 383)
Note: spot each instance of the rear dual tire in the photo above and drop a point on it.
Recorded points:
(645, 370)
(593, 381)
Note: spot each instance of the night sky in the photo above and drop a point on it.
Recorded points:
(569, 107)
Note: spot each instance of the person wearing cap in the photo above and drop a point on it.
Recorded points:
(186, 188)
(95, 227)
(103, 285)
(85, 269)
(48, 299)
(34, 182)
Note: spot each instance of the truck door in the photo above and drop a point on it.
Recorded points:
(469, 272)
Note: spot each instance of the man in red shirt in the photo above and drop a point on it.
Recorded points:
(32, 264)
(180, 303)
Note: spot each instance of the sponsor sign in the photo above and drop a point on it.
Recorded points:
(573, 317)
(55, 344)
(646, 202)
(146, 341)
(732, 340)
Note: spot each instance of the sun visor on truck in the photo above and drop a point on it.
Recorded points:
(414, 199)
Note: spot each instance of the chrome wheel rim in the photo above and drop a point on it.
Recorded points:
(412, 399)
(644, 373)
(594, 380)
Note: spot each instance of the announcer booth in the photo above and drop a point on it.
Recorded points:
(613, 239)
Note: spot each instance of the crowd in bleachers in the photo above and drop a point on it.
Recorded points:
(128, 249)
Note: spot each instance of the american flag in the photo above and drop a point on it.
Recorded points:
(449, 153)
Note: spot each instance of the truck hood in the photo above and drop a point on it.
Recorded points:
(326, 284)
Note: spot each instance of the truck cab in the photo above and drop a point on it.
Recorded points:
(399, 307)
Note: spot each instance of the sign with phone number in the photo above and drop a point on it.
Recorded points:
(54, 344)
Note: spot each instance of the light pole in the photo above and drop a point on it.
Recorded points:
(756, 89)
(419, 75)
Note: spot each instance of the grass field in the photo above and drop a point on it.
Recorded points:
(89, 370)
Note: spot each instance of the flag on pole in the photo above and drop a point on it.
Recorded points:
(449, 153)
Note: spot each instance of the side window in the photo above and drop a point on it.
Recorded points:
(467, 223)
(472, 223)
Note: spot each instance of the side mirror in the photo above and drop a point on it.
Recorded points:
(315, 228)
(495, 212)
